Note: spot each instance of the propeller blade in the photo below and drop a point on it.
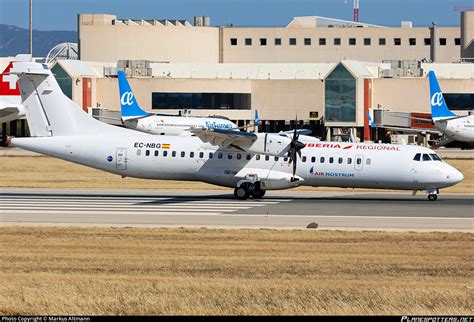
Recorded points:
(294, 168)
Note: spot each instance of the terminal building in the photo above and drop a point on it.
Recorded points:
(329, 74)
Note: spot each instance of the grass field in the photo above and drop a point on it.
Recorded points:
(36, 172)
(49, 271)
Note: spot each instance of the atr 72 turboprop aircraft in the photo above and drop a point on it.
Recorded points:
(133, 117)
(251, 163)
(454, 127)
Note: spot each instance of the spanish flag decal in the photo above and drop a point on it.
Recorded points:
(165, 146)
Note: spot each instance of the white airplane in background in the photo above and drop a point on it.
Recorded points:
(10, 99)
(454, 127)
(251, 163)
(133, 117)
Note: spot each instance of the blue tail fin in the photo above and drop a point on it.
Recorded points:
(256, 121)
(371, 123)
(439, 109)
(128, 103)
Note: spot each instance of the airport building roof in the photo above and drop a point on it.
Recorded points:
(325, 22)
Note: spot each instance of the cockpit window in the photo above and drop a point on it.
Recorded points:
(417, 157)
(435, 157)
(426, 157)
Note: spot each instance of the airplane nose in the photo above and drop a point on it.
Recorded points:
(455, 176)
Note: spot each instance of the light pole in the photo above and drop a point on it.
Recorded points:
(31, 28)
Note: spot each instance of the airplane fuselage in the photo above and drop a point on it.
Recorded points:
(335, 164)
(175, 125)
(458, 129)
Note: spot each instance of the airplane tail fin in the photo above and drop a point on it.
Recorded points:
(371, 122)
(9, 92)
(128, 103)
(439, 109)
(49, 112)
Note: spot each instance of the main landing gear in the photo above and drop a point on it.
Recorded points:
(432, 194)
(247, 189)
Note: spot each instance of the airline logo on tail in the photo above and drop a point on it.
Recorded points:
(439, 109)
(9, 90)
(437, 99)
(126, 98)
(128, 103)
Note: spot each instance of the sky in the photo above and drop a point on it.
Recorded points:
(62, 14)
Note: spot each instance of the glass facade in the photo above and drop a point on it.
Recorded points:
(207, 101)
(63, 79)
(340, 96)
(459, 101)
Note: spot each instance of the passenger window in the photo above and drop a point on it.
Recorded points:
(313, 159)
(248, 157)
(147, 152)
(435, 157)
(229, 156)
(321, 160)
(303, 159)
(340, 160)
(349, 160)
(368, 161)
(267, 158)
(257, 157)
(156, 153)
(183, 154)
(173, 154)
(201, 155)
(165, 153)
(285, 159)
(417, 157)
(239, 156)
(211, 155)
(191, 154)
(331, 160)
(276, 158)
(359, 161)
(426, 157)
(139, 152)
(219, 155)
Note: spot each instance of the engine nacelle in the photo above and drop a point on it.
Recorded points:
(269, 179)
(270, 144)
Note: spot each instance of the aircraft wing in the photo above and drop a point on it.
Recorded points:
(11, 112)
(225, 138)
(300, 132)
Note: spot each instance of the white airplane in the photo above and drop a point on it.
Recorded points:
(134, 117)
(251, 163)
(10, 99)
(454, 127)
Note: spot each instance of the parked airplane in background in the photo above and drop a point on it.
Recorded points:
(10, 99)
(251, 163)
(454, 127)
(135, 118)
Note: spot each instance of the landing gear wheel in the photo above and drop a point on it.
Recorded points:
(432, 197)
(257, 194)
(242, 193)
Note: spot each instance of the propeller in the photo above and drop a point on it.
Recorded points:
(295, 150)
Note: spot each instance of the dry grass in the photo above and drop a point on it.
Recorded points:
(127, 271)
(36, 172)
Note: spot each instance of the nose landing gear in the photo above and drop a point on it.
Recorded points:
(432, 194)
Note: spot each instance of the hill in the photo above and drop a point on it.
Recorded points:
(15, 40)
